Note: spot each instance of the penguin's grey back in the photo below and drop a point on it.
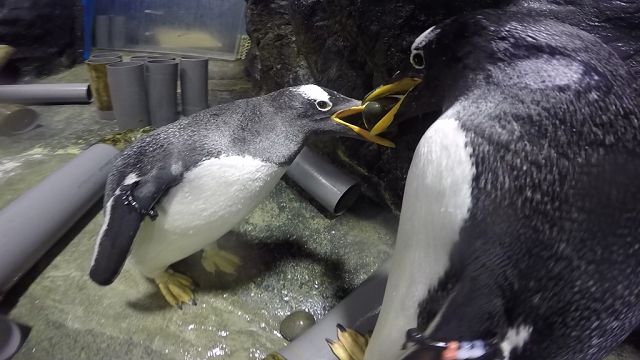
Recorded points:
(242, 127)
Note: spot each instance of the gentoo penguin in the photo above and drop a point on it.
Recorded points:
(185, 185)
(519, 234)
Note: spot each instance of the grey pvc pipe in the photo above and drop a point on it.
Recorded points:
(101, 31)
(327, 184)
(32, 223)
(97, 68)
(103, 55)
(160, 57)
(10, 338)
(128, 94)
(141, 58)
(74, 93)
(118, 31)
(162, 87)
(16, 119)
(359, 311)
(194, 78)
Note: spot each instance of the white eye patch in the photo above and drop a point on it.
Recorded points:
(316, 94)
(424, 38)
(417, 55)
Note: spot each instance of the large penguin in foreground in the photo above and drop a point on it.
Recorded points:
(519, 234)
(185, 185)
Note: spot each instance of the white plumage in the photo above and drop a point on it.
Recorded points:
(436, 202)
(210, 200)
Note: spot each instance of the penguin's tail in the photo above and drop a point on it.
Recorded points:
(121, 224)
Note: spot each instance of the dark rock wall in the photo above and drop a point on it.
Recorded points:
(44, 33)
(346, 45)
(274, 58)
(352, 46)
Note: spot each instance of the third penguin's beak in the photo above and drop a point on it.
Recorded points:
(399, 89)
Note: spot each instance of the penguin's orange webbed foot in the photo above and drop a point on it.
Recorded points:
(176, 288)
(214, 259)
(350, 345)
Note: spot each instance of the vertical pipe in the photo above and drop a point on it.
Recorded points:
(194, 76)
(101, 31)
(118, 31)
(100, 55)
(160, 57)
(162, 86)
(97, 68)
(141, 58)
(128, 94)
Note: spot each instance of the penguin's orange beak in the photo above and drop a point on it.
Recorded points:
(401, 87)
(398, 88)
(337, 117)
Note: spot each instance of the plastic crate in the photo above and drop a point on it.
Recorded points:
(211, 28)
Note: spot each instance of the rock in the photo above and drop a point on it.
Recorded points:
(295, 324)
(42, 32)
(273, 61)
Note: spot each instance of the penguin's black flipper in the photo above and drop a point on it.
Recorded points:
(124, 211)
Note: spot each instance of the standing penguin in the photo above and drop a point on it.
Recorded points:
(519, 235)
(185, 185)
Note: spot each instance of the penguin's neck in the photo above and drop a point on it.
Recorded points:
(273, 140)
(474, 311)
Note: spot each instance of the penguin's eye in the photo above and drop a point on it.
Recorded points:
(323, 105)
(417, 59)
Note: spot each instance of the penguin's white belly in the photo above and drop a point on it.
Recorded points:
(210, 200)
(436, 201)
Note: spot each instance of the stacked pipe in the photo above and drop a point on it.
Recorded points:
(143, 90)
(110, 31)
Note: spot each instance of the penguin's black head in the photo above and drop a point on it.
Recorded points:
(469, 51)
(319, 111)
(418, 81)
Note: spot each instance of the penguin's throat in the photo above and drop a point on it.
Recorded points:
(448, 350)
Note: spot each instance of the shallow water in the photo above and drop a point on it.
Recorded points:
(293, 258)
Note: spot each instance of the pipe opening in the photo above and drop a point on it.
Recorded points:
(161, 61)
(125, 64)
(89, 93)
(105, 60)
(18, 121)
(347, 199)
(193, 58)
(160, 57)
(106, 55)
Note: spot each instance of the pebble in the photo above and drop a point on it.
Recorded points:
(295, 324)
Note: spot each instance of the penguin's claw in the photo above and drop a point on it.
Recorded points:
(350, 345)
(216, 259)
(176, 288)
